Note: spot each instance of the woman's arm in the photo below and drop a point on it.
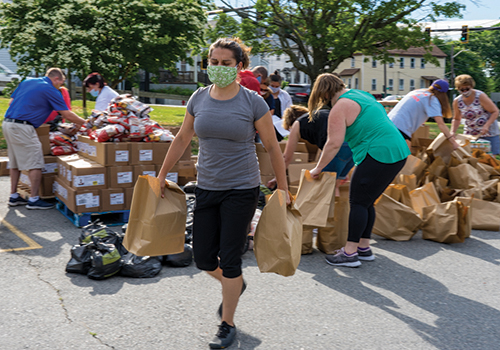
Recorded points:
(343, 113)
(291, 146)
(444, 129)
(457, 118)
(267, 135)
(489, 106)
(181, 141)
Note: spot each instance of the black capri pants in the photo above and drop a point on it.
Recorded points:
(368, 182)
(220, 228)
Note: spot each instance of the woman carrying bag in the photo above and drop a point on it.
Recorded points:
(379, 153)
(225, 117)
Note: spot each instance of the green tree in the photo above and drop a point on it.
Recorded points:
(326, 32)
(487, 45)
(113, 38)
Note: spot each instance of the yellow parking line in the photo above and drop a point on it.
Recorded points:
(31, 243)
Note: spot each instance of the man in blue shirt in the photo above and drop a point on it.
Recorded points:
(31, 102)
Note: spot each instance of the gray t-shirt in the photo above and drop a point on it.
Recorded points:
(226, 132)
(414, 110)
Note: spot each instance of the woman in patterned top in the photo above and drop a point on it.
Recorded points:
(478, 111)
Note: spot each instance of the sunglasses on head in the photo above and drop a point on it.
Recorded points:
(465, 89)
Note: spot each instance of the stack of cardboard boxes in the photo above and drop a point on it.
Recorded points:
(101, 177)
(304, 157)
(48, 173)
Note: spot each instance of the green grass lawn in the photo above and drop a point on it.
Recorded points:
(165, 116)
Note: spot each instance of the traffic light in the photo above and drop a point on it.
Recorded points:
(464, 39)
(427, 33)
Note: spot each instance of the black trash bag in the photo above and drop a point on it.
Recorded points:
(106, 261)
(189, 219)
(103, 234)
(140, 266)
(190, 187)
(183, 259)
(80, 259)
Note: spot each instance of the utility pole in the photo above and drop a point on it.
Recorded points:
(452, 73)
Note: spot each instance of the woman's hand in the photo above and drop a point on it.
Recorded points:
(315, 172)
(484, 130)
(163, 184)
(271, 184)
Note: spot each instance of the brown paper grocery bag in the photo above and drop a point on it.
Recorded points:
(448, 222)
(156, 225)
(489, 189)
(278, 237)
(438, 168)
(464, 176)
(315, 197)
(414, 166)
(395, 220)
(410, 181)
(423, 197)
(307, 239)
(334, 236)
(399, 193)
(485, 215)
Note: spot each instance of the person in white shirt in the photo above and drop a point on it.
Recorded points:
(97, 87)
(282, 99)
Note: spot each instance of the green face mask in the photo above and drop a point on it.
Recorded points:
(222, 76)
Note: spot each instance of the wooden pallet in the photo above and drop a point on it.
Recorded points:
(110, 218)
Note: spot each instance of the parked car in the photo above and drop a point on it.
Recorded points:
(299, 92)
(393, 98)
(6, 75)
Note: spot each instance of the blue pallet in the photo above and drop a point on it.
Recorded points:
(109, 218)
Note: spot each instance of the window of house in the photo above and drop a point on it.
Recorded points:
(422, 63)
(401, 84)
(349, 83)
(412, 62)
(422, 83)
(412, 84)
(278, 57)
(305, 79)
(374, 84)
(402, 62)
(353, 62)
(391, 64)
(390, 85)
(356, 83)
(374, 63)
(301, 60)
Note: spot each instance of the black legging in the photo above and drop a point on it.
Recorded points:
(368, 182)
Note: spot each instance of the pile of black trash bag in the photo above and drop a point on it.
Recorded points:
(100, 254)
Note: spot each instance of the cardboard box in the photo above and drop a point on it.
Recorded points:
(86, 174)
(63, 169)
(128, 197)
(79, 200)
(182, 180)
(173, 175)
(160, 150)
(120, 176)
(144, 170)
(43, 134)
(185, 168)
(113, 199)
(300, 157)
(141, 153)
(104, 153)
(46, 189)
(51, 165)
(4, 166)
(294, 171)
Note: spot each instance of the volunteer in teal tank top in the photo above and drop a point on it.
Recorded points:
(379, 152)
(373, 132)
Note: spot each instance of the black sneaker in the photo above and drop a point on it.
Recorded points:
(224, 337)
(18, 201)
(243, 287)
(39, 204)
(340, 259)
(366, 255)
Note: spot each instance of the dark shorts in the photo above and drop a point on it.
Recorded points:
(406, 137)
(220, 228)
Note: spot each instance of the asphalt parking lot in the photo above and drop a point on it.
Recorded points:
(416, 295)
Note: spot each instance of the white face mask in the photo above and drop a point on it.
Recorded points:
(274, 89)
(466, 93)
